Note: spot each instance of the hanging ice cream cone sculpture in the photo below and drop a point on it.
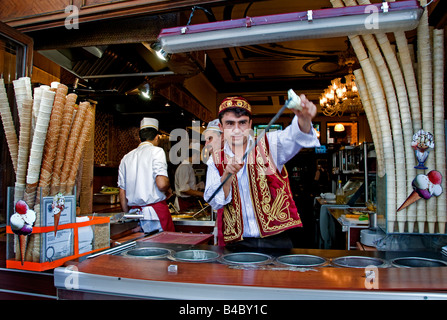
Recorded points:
(425, 186)
(58, 206)
(22, 224)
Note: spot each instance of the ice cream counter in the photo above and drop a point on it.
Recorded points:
(150, 270)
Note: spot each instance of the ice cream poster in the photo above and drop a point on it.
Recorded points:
(66, 215)
(58, 245)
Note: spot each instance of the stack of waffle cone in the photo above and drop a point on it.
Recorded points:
(83, 138)
(8, 125)
(38, 142)
(71, 146)
(62, 141)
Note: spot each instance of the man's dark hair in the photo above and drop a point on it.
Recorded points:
(148, 134)
(238, 112)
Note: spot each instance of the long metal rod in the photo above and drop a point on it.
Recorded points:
(274, 119)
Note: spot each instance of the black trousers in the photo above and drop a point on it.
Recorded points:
(279, 241)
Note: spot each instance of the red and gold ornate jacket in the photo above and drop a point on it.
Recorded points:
(273, 205)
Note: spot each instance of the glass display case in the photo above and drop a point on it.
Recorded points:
(355, 167)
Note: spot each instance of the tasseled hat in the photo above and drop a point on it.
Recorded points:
(234, 102)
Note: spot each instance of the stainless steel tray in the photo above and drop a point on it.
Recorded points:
(302, 260)
(358, 262)
(194, 256)
(148, 253)
(246, 258)
(417, 262)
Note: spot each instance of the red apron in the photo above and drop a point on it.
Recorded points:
(162, 210)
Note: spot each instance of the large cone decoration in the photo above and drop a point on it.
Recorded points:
(425, 186)
(412, 198)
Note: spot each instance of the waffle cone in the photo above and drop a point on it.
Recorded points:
(412, 198)
(22, 243)
(56, 222)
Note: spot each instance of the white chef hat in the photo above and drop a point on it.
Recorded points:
(149, 123)
(213, 126)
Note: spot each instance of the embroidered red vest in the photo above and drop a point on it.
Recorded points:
(273, 205)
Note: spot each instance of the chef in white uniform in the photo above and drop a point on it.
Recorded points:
(143, 181)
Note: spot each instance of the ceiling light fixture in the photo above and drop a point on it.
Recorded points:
(145, 91)
(311, 24)
(341, 97)
(339, 127)
(161, 54)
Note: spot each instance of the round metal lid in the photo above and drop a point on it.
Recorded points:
(148, 253)
(194, 256)
(302, 260)
(417, 262)
(358, 262)
(246, 258)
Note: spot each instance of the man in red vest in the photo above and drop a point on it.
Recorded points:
(255, 206)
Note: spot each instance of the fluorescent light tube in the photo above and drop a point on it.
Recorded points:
(323, 23)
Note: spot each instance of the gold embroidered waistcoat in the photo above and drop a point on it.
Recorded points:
(273, 205)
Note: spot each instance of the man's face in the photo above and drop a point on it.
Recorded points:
(235, 130)
(213, 140)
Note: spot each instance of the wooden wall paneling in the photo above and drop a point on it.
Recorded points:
(37, 18)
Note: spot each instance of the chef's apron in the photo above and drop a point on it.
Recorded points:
(164, 215)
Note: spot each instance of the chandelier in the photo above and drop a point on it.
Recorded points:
(342, 96)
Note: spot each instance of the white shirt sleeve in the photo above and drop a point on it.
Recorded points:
(121, 176)
(212, 183)
(159, 164)
(285, 144)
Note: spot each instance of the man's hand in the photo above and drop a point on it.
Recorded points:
(305, 116)
(233, 167)
(169, 193)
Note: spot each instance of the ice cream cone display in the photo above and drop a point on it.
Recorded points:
(22, 222)
(414, 99)
(57, 206)
(52, 130)
(425, 186)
